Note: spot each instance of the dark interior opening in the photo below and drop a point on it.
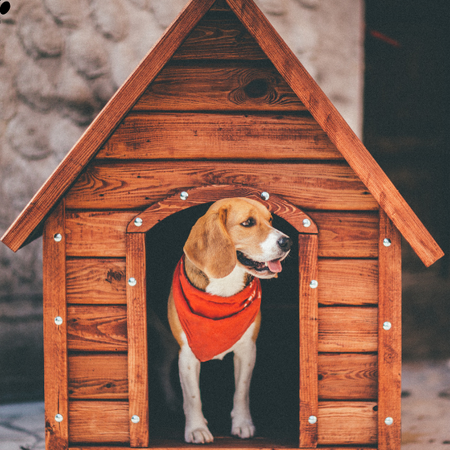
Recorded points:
(275, 382)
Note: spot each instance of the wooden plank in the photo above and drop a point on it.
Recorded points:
(138, 184)
(221, 86)
(102, 126)
(218, 136)
(347, 423)
(96, 281)
(219, 36)
(389, 340)
(55, 334)
(348, 282)
(99, 422)
(97, 328)
(220, 443)
(137, 339)
(348, 376)
(308, 332)
(338, 130)
(98, 377)
(347, 234)
(97, 233)
(348, 329)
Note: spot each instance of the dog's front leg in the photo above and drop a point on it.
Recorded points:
(196, 430)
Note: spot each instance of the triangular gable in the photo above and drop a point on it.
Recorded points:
(28, 224)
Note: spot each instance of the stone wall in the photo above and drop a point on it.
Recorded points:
(60, 62)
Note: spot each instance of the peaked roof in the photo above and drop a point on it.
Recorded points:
(30, 222)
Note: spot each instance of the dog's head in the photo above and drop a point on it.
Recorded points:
(237, 231)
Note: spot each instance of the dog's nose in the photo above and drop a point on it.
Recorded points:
(285, 243)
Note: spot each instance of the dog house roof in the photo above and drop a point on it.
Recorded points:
(29, 223)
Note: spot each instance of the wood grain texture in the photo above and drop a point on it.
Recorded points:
(348, 376)
(308, 332)
(348, 329)
(218, 136)
(139, 184)
(347, 423)
(389, 341)
(212, 86)
(137, 339)
(338, 130)
(97, 328)
(102, 126)
(348, 282)
(221, 442)
(55, 336)
(96, 281)
(99, 422)
(98, 377)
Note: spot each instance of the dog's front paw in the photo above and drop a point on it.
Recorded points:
(198, 435)
(243, 428)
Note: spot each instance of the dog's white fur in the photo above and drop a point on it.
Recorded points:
(225, 226)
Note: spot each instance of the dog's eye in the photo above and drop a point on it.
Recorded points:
(249, 222)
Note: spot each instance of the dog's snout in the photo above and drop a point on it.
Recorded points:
(285, 243)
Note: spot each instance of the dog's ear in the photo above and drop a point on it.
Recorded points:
(209, 245)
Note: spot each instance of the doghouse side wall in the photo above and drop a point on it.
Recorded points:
(219, 113)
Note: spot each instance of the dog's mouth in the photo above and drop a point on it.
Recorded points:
(273, 266)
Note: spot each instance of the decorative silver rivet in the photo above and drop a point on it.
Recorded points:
(58, 320)
(132, 281)
(138, 221)
(387, 325)
(312, 419)
(389, 421)
(386, 242)
(313, 284)
(265, 195)
(184, 195)
(306, 223)
(57, 237)
(59, 418)
(135, 419)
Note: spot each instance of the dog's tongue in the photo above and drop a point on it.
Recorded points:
(274, 266)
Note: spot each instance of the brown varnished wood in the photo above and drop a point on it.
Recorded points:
(102, 126)
(348, 329)
(212, 86)
(348, 282)
(99, 422)
(137, 184)
(348, 376)
(55, 336)
(98, 377)
(389, 341)
(96, 281)
(338, 130)
(221, 443)
(218, 136)
(97, 328)
(308, 334)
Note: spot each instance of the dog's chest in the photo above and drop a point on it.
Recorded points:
(229, 285)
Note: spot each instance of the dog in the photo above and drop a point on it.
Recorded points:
(214, 302)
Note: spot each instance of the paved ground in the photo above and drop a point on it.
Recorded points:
(426, 413)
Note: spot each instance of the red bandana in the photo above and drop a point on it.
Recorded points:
(213, 324)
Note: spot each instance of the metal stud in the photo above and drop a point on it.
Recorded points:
(57, 237)
(313, 284)
(184, 195)
(58, 320)
(59, 418)
(306, 223)
(386, 242)
(312, 419)
(389, 421)
(265, 195)
(132, 281)
(138, 221)
(387, 326)
(135, 419)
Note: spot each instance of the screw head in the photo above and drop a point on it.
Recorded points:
(265, 195)
(58, 320)
(132, 281)
(138, 221)
(386, 242)
(135, 419)
(389, 421)
(184, 195)
(57, 237)
(306, 223)
(313, 284)
(387, 326)
(59, 418)
(312, 419)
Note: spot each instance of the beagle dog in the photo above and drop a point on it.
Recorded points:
(213, 306)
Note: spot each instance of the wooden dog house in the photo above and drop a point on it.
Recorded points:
(220, 107)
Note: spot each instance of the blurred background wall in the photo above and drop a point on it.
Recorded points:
(61, 60)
